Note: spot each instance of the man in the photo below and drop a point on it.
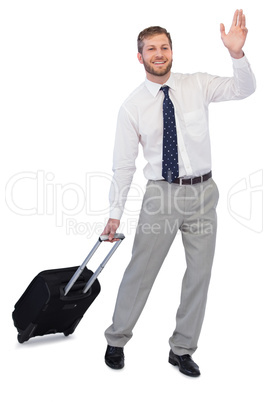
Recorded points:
(168, 115)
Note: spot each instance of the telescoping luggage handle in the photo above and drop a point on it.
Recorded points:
(79, 271)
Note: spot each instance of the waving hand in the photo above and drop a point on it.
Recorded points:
(236, 37)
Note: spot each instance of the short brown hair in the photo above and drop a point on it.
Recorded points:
(152, 31)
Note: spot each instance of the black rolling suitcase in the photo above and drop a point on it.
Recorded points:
(56, 299)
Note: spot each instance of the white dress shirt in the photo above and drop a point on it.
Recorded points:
(140, 120)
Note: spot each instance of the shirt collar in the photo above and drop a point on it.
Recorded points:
(154, 88)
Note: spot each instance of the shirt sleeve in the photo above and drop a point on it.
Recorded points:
(125, 153)
(240, 86)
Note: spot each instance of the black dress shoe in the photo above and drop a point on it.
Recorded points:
(114, 357)
(186, 365)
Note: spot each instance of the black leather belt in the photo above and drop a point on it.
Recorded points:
(193, 180)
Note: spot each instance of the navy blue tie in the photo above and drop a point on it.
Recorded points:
(170, 164)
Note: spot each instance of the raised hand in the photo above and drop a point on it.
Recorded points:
(236, 37)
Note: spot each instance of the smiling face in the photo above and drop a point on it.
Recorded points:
(156, 57)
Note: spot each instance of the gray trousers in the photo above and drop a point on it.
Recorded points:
(166, 209)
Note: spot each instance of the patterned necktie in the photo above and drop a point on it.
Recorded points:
(170, 164)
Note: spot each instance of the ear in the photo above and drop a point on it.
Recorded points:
(139, 55)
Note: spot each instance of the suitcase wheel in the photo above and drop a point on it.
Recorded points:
(72, 328)
(25, 335)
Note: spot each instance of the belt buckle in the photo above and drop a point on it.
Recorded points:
(191, 180)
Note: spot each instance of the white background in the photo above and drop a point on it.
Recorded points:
(66, 67)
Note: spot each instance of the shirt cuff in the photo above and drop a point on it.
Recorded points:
(240, 63)
(116, 213)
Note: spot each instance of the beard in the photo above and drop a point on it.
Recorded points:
(156, 71)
